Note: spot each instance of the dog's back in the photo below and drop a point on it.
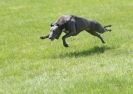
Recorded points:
(88, 25)
(81, 24)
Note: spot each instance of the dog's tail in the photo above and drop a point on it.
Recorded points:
(105, 27)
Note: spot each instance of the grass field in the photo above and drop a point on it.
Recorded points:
(29, 65)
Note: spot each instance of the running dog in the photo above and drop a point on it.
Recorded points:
(72, 25)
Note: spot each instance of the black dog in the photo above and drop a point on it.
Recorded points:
(73, 25)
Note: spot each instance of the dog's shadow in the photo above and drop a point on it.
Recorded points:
(88, 52)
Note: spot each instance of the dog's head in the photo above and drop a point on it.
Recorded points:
(54, 31)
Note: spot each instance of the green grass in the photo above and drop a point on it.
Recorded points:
(29, 65)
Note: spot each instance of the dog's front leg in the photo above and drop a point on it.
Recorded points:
(64, 39)
(44, 37)
(71, 32)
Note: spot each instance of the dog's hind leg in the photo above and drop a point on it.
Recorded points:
(105, 27)
(96, 34)
(108, 29)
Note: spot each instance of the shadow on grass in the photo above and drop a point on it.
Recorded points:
(88, 52)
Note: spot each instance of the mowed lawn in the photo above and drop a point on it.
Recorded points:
(29, 65)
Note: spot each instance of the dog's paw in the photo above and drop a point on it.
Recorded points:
(66, 45)
(103, 42)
